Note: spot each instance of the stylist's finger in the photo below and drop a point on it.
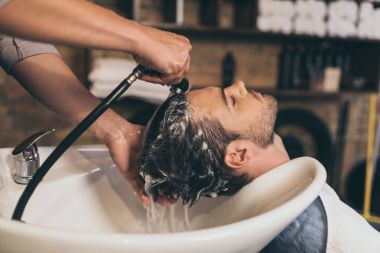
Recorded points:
(153, 79)
(176, 78)
(181, 75)
(158, 78)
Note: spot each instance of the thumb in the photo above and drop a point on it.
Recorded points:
(120, 155)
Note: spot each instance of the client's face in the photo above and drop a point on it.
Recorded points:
(237, 109)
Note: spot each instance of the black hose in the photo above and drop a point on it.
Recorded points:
(71, 138)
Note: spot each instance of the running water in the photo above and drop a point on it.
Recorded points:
(166, 219)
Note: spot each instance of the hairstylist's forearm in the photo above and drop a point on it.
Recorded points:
(81, 23)
(69, 22)
(50, 81)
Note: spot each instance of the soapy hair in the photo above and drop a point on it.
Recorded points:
(185, 158)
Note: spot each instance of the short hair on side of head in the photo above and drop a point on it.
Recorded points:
(186, 158)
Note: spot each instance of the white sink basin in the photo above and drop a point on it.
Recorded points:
(85, 205)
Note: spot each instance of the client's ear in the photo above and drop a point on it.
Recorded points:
(239, 154)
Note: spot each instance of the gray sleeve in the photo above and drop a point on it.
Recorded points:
(13, 50)
(2, 2)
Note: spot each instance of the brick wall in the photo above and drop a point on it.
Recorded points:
(21, 115)
(355, 149)
(256, 63)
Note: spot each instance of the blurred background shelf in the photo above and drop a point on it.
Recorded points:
(219, 29)
(253, 34)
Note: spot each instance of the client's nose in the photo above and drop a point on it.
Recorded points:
(237, 89)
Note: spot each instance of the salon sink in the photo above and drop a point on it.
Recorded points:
(84, 205)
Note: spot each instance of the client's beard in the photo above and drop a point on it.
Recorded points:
(261, 132)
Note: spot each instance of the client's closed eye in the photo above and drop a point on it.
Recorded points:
(233, 99)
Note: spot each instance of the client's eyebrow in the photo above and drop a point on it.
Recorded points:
(224, 98)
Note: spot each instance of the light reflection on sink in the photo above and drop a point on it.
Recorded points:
(85, 205)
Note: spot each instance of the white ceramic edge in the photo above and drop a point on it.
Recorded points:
(117, 240)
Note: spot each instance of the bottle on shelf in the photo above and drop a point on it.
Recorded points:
(327, 55)
(296, 68)
(228, 69)
(339, 60)
(332, 72)
(306, 66)
(209, 13)
(346, 69)
(245, 13)
(285, 67)
(173, 11)
(317, 69)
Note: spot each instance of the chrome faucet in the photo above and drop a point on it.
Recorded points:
(26, 159)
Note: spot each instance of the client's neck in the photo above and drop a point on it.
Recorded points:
(268, 158)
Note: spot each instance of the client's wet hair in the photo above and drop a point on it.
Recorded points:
(183, 158)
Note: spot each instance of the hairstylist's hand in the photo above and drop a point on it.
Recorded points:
(125, 145)
(125, 150)
(166, 53)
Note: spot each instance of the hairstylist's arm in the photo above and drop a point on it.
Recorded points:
(49, 80)
(83, 24)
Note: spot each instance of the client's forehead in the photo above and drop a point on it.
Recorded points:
(205, 101)
(202, 93)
